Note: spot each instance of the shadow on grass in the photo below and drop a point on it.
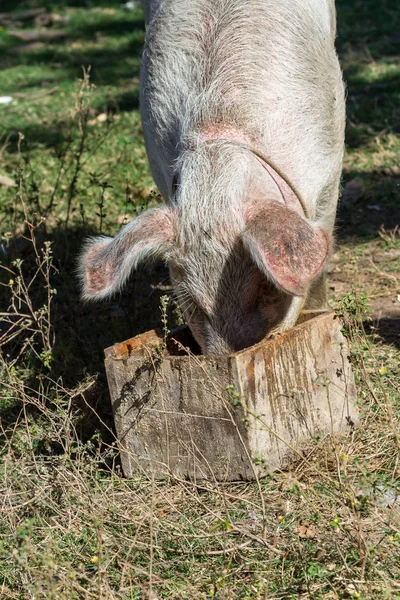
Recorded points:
(368, 32)
(125, 24)
(114, 63)
(109, 65)
(57, 134)
(372, 109)
(377, 204)
(82, 331)
(367, 23)
(387, 329)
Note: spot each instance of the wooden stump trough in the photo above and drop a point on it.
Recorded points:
(230, 417)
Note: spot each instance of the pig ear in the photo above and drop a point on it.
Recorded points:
(105, 263)
(289, 249)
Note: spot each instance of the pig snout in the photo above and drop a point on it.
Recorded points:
(227, 301)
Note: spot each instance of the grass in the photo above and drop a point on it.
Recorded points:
(71, 527)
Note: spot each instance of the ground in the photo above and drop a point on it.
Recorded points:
(71, 527)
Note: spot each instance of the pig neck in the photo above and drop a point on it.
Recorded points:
(221, 181)
(289, 194)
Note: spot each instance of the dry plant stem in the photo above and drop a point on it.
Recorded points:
(384, 407)
(22, 313)
(60, 173)
(83, 117)
(151, 540)
(92, 151)
(99, 557)
(255, 538)
(5, 144)
(382, 273)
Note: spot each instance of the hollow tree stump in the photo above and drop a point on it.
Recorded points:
(230, 417)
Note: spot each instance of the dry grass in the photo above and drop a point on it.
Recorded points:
(72, 527)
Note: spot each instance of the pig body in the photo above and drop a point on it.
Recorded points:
(243, 116)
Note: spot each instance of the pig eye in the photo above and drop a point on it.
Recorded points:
(177, 273)
(195, 308)
(204, 308)
(199, 308)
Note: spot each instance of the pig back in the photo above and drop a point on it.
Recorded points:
(265, 69)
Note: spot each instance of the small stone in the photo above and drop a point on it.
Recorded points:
(7, 181)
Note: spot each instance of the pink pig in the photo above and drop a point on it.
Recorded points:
(243, 115)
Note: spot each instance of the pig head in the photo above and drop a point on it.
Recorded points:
(237, 278)
(243, 115)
